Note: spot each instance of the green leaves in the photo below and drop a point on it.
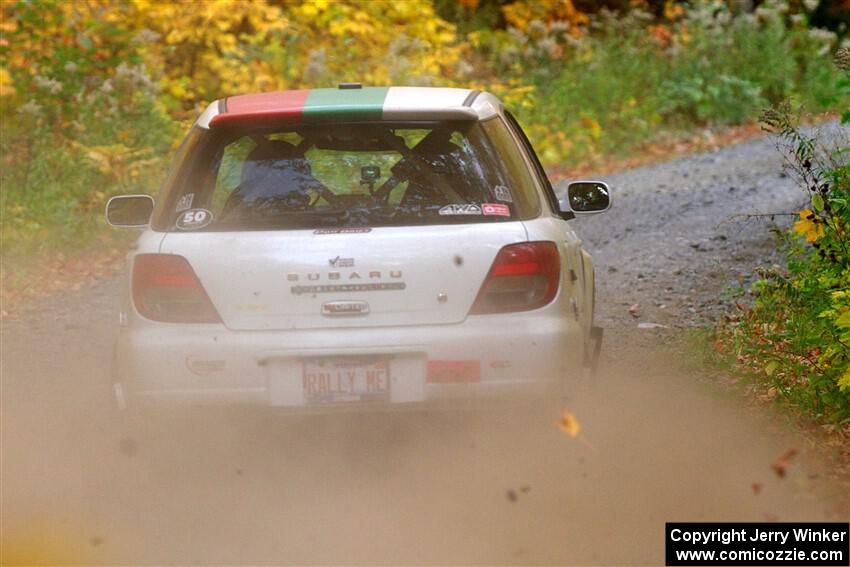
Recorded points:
(797, 332)
(843, 321)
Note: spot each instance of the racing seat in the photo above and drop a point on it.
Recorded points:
(432, 170)
(275, 175)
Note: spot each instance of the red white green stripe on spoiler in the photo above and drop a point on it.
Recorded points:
(366, 104)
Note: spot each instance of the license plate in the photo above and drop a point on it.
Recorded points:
(340, 380)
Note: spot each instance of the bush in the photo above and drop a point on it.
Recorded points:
(83, 122)
(796, 336)
(623, 80)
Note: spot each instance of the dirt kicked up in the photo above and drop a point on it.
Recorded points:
(653, 443)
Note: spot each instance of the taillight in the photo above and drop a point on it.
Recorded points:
(523, 276)
(165, 288)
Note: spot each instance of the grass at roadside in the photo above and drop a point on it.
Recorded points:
(793, 340)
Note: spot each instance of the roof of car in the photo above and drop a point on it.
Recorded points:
(348, 103)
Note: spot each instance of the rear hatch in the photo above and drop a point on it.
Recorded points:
(319, 279)
(301, 223)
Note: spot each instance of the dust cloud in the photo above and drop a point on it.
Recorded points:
(496, 483)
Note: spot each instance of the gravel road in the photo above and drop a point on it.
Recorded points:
(677, 240)
(486, 486)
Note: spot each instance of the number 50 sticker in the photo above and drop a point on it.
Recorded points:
(194, 219)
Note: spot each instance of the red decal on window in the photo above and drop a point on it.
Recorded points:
(496, 209)
(454, 371)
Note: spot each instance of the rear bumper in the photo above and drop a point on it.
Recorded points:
(514, 354)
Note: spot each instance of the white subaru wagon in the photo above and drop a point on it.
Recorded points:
(354, 247)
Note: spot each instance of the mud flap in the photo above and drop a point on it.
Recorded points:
(117, 385)
(594, 350)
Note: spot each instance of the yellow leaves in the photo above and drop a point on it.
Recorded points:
(310, 9)
(514, 95)
(377, 43)
(521, 13)
(265, 82)
(673, 11)
(6, 83)
(213, 48)
(209, 49)
(809, 225)
(177, 90)
(552, 143)
(116, 161)
(844, 381)
(569, 424)
(518, 14)
(358, 25)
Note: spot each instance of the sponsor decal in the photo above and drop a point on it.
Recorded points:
(461, 209)
(339, 262)
(502, 193)
(342, 230)
(194, 219)
(454, 371)
(496, 209)
(344, 308)
(346, 288)
(184, 202)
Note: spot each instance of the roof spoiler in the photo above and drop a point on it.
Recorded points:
(327, 106)
(287, 117)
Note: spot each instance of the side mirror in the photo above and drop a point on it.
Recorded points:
(129, 211)
(585, 197)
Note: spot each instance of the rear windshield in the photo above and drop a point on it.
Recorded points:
(350, 176)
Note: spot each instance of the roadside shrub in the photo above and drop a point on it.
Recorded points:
(723, 99)
(796, 336)
(81, 121)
